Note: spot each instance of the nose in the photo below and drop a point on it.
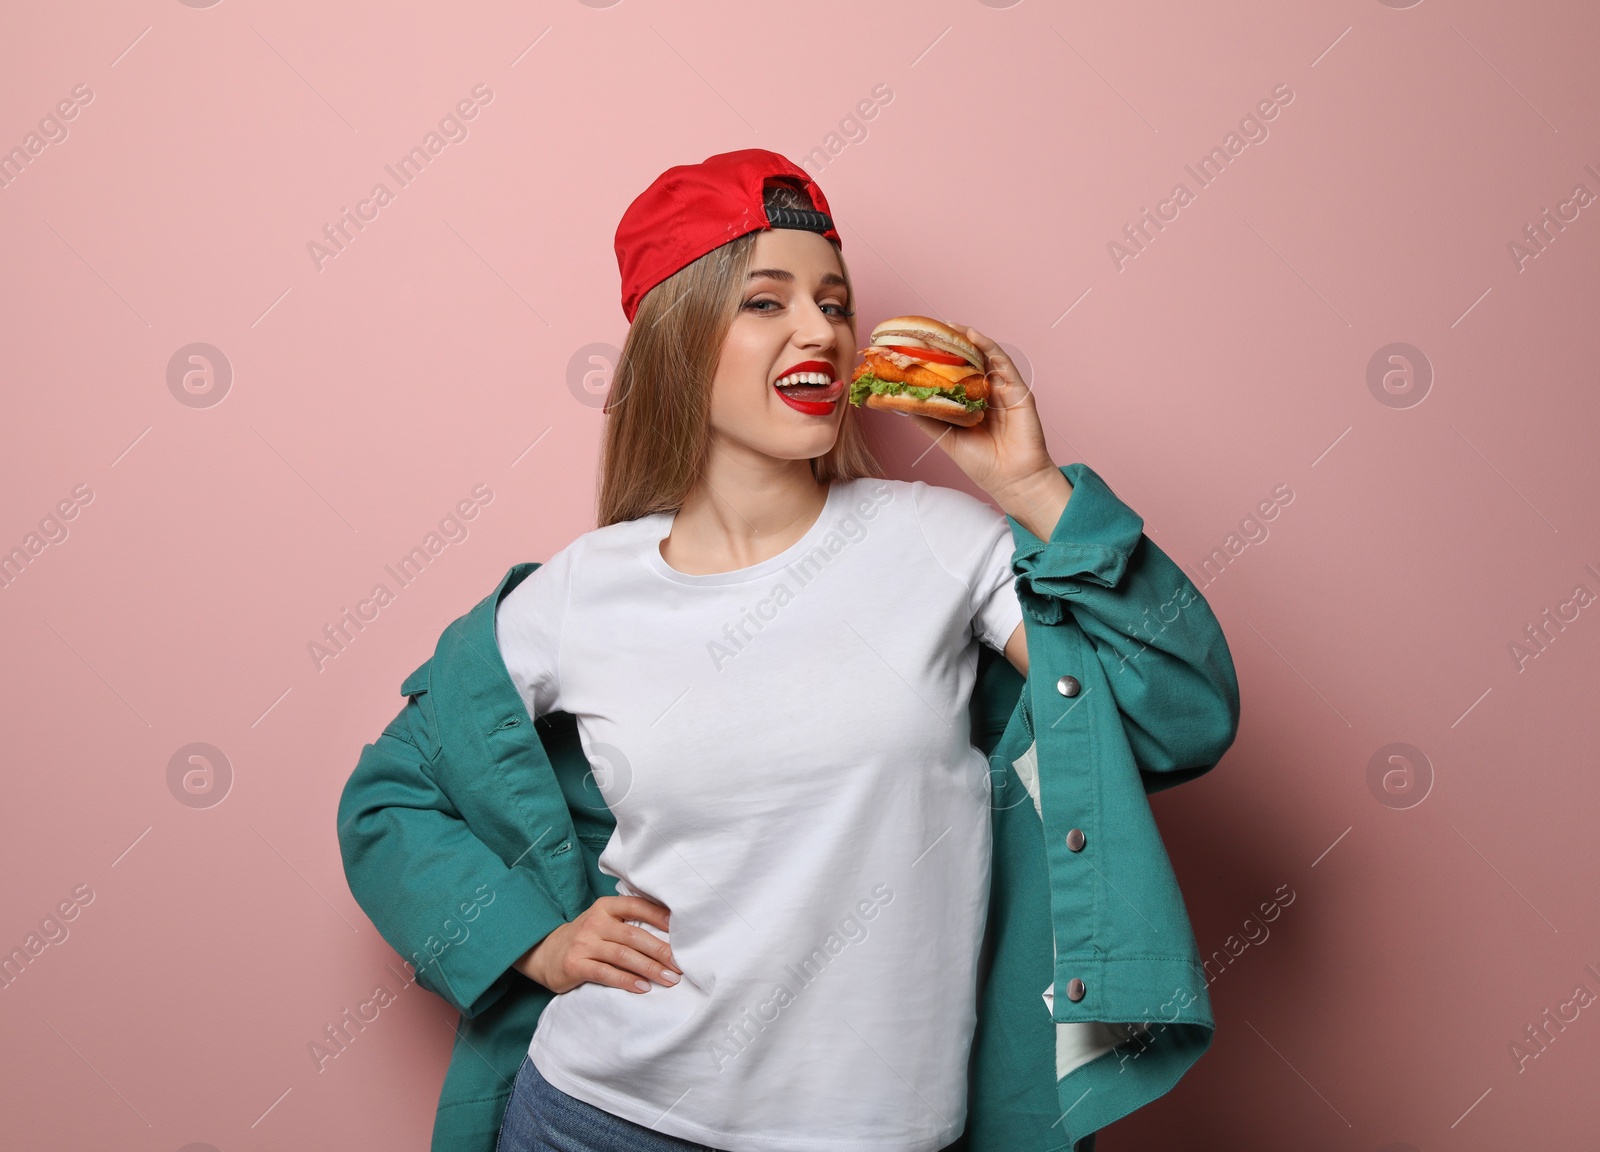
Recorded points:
(814, 330)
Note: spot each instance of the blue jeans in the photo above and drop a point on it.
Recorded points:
(542, 1118)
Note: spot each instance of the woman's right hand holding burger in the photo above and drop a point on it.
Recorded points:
(602, 948)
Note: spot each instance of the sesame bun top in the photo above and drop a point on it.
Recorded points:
(925, 331)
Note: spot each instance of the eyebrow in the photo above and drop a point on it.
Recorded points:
(828, 279)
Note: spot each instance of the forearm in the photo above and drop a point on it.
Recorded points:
(437, 894)
(1165, 659)
(1038, 501)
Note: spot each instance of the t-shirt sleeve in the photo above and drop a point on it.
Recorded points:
(527, 627)
(972, 542)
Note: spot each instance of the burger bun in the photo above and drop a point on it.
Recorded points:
(925, 331)
(936, 407)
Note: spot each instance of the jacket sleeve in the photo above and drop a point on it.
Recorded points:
(1162, 650)
(438, 894)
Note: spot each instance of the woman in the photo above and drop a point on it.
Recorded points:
(769, 652)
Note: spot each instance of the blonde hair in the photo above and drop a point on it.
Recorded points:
(658, 411)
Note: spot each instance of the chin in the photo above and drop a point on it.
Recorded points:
(810, 448)
(797, 447)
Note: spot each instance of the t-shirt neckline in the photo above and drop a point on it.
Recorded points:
(771, 564)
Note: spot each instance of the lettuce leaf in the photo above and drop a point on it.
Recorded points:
(867, 382)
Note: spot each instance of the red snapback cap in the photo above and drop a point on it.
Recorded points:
(692, 209)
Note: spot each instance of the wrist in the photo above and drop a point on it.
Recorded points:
(1037, 501)
(530, 963)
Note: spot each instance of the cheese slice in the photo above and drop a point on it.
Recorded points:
(952, 372)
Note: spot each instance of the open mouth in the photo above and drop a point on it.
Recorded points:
(811, 387)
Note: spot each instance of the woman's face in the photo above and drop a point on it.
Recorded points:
(792, 317)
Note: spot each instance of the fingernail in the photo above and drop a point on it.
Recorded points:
(669, 976)
(642, 985)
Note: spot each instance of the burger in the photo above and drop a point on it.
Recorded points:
(921, 365)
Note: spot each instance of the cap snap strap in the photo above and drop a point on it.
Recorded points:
(803, 218)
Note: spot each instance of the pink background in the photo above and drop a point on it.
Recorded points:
(213, 541)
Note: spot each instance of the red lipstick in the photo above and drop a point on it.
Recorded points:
(812, 398)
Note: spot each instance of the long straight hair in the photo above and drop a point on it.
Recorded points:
(658, 410)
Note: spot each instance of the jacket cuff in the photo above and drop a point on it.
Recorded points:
(498, 940)
(1092, 542)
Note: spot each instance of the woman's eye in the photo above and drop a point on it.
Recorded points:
(839, 311)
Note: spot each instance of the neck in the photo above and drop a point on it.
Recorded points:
(743, 513)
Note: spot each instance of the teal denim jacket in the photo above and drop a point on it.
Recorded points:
(468, 832)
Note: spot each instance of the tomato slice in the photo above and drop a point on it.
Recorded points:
(932, 355)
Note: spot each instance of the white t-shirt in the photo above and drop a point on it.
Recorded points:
(787, 751)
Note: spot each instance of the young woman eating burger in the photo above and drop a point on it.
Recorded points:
(798, 808)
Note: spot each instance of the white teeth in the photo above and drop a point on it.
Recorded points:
(804, 378)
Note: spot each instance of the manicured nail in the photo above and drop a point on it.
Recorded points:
(642, 985)
(669, 976)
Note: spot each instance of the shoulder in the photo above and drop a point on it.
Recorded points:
(590, 551)
(595, 545)
(952, 512)
(625, 537)
(960, 530)
(941, 513)
(864, 495)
